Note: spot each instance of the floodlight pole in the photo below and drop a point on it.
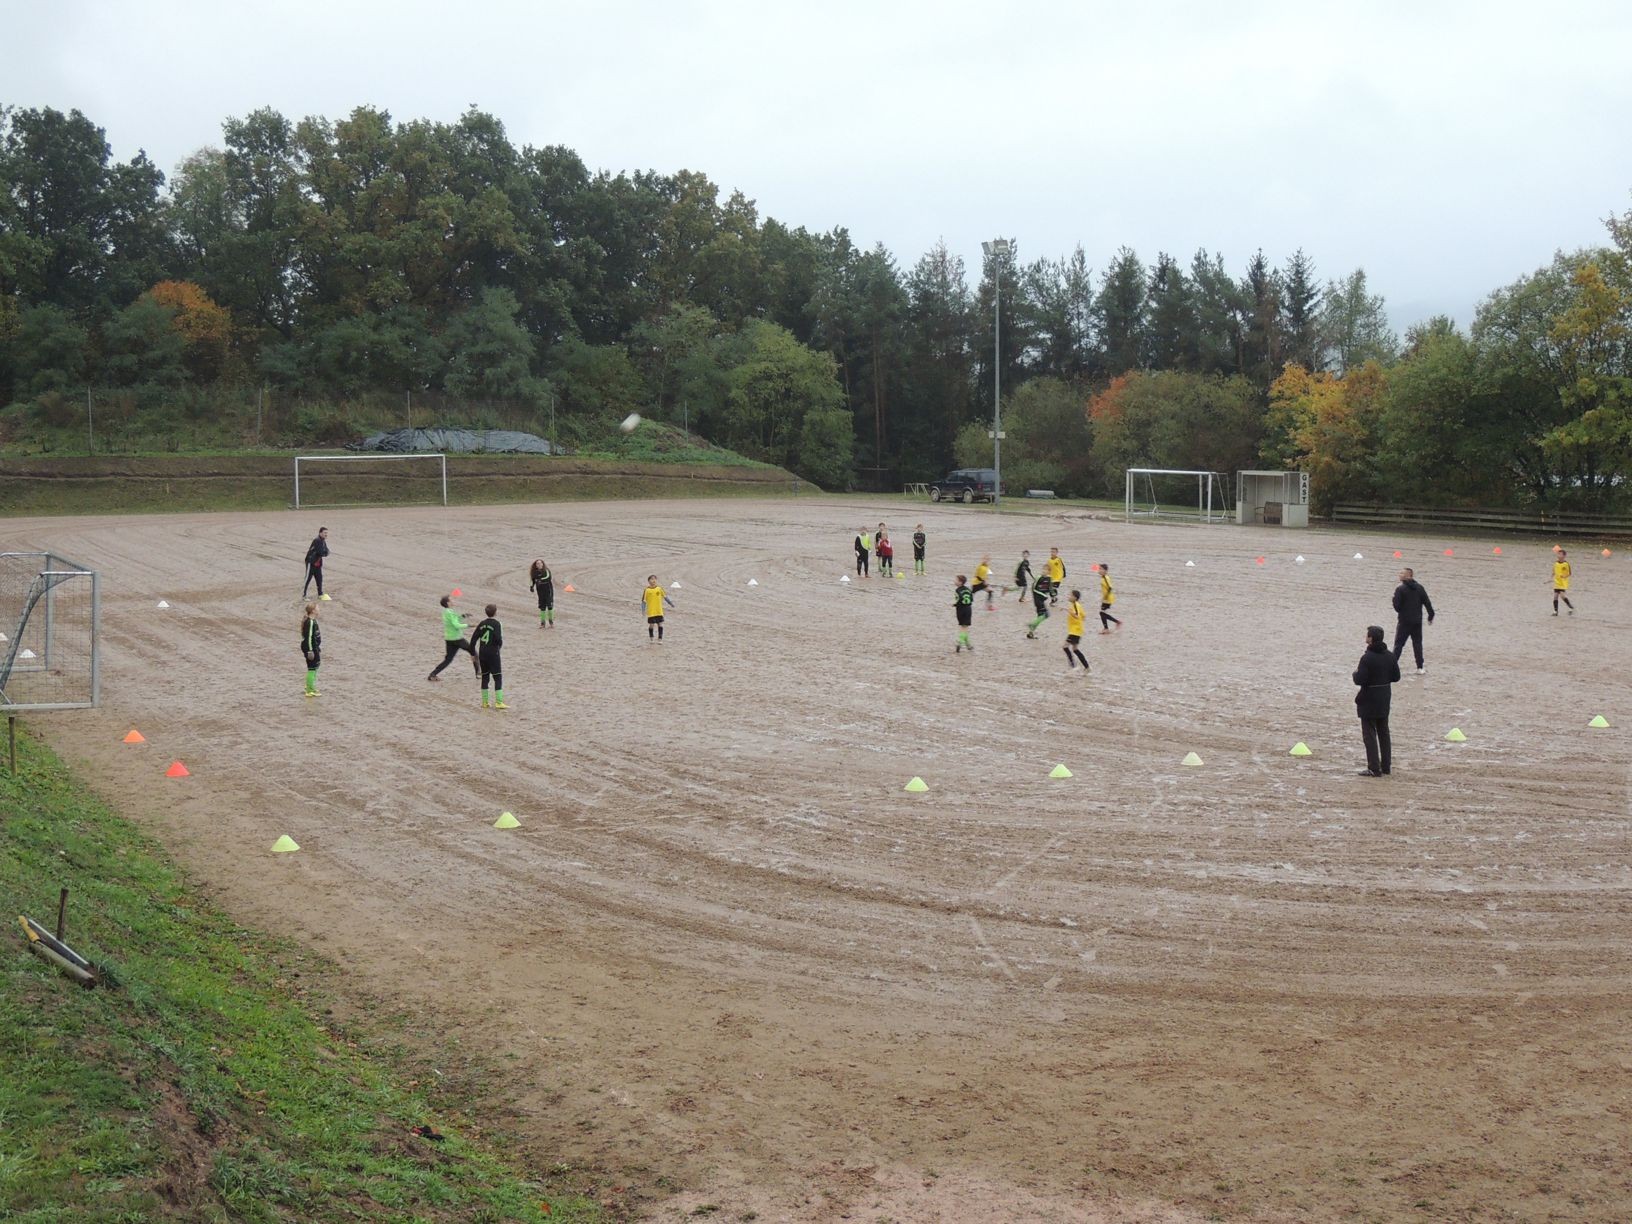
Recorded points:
(996, 250)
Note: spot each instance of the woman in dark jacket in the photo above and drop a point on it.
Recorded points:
(1376, 675)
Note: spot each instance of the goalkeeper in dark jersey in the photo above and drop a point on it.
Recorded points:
(487, 639)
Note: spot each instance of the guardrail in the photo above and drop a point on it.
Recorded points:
(1539, 522)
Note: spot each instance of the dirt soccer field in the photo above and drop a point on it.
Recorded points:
(731, 963)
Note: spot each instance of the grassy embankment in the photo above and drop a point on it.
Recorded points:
(214, 1082)
(160, 483)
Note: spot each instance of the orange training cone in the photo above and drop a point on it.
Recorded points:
(1497, 551)
(1398, 554)
(1605, 553)
(177, 770)
(1450, 553)
(570, 587)
(1260, 560)
(455, 593)
(135, 737)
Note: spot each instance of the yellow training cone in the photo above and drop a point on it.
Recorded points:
(1059, 771)
(284, 845)
(1598, 720)
(1192, 759)
(917, 786)
(1455, 735)
(506, 821)
(1301, 749)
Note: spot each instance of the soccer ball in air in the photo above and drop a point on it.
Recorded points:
(629, 422)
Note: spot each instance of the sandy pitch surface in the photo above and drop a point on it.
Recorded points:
(730, 962)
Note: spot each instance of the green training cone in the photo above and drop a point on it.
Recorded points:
(1598, 720)
(1455, 735)
(1192, 759)
(506, 821)
(917, 786)
(284, 845)
(1059, 771)
(1301, 749)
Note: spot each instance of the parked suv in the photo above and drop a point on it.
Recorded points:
(966, 485)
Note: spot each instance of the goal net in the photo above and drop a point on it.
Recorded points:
(1173, 493)
(50, 608)
(326, 481)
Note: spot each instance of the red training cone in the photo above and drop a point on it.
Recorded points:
(1398, 554)
(1449, 553)
(135, 737)
(455, 593)
(1497, 551)
(177, 770)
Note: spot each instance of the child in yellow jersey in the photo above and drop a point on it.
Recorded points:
(1075, 617)
(983, 571)
(1107, 597)
(1561, 581)
(654, 597)
(1056, 573)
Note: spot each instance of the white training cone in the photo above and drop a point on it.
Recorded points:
(27, 654)
(753, 582)
(1358, 557)
(1298, 558)
(674, 586)
(162, 604)
(1189, 565)
(846, 578)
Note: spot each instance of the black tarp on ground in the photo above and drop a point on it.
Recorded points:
(458, 442)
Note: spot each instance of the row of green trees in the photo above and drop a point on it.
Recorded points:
(338, 261)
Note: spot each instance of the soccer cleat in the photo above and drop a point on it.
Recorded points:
(325, 599)
(434, 677)
(1368, 773)
(500, 706)
(1032, 636)
(958, 649)
(1422, 671)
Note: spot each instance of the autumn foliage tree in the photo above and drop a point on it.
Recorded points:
(204, 326)
(1329, 426)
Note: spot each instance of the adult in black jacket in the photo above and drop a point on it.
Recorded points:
(1410, 602)
(314, 562)
(1375, 676)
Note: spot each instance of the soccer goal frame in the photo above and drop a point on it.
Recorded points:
(50, 647)
(1212, 496)
(441, 460)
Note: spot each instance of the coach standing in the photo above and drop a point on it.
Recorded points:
(1410, 602)
(1375, 676)
(314, 562)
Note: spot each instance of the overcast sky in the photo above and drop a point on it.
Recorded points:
(1446, 147)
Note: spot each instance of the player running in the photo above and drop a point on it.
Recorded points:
(1040, 591)
(1022, 576)
(1056, 573)
(453, 639)
(1107, 597)
(983, 571)
(1075, 618)
(1561, 581)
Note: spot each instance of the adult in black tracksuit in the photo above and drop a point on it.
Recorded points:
(1410, 602)
(315, 552)
(1375, 676)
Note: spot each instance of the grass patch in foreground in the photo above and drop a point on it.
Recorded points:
(204, 1087)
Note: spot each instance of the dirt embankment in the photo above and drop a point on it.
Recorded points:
(152, 483)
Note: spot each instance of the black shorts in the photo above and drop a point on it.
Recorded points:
(1104, 607)
(979, 586)
(917, 553)
(965, 618)
(1071, 639)
(654, 620)
(313, 660)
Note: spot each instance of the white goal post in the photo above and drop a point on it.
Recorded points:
(441, 461)
(1179, 493)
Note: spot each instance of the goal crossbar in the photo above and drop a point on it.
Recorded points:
(441, 460)
(1211, 494)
